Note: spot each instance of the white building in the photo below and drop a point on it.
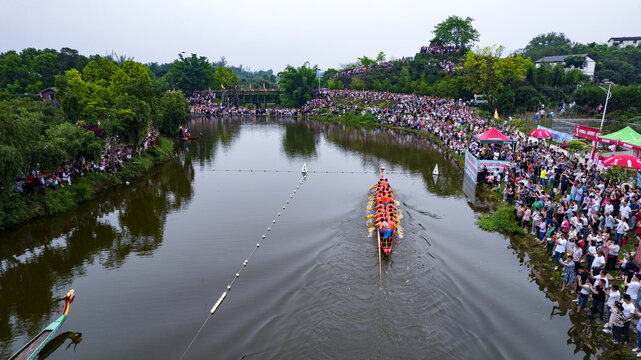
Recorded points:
(588, 66)
(622, 42)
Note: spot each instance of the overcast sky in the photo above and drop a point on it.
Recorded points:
(269, 34)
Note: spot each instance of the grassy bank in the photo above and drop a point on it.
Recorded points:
(18, 208)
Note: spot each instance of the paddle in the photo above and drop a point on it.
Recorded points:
(380, 266)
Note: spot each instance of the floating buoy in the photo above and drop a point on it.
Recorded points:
(435, 172)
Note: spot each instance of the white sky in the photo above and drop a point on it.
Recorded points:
(269, 34)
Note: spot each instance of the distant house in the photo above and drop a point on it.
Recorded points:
(49, 95)
(624, 41)
(588, 66)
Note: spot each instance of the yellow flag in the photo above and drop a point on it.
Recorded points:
(263, 85)
(250, 85)
(221, 86)
(496, 113)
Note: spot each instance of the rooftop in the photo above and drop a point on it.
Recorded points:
(625, 38)
(558, 58)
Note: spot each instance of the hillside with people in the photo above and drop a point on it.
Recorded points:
(514, 83)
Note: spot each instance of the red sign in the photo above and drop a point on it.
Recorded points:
(586, 132)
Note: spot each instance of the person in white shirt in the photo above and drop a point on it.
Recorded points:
(559, 249)
(598, 263)
(632, 288)
(622, 228)
(625, 211)
(628, 314)
(613, 296)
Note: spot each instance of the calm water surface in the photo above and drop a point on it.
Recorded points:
(149, 260)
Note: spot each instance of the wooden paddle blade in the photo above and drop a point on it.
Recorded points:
(369, 216)
(396, 202)
(400, 233)
(370, 202)
(372, 229)
(371, 224)
(369, 209)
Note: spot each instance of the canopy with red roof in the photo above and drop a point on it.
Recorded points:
(492, 136)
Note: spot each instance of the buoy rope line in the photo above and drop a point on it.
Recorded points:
(263, 237)
(312, 171)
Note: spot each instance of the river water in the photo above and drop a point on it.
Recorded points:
(148, 260)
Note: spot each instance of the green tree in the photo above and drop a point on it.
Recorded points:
(131, 79)
(549, 44)
(45, 68)
(297, 84)
(173, 110)
(225, 76)
(75, 142)
(132, 117)
(20, 141)
(71, 91)
(100, 71)
(455, 31)
(190, 73)
(365, 61)
(485, 72)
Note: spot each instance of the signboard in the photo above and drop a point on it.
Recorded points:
(557, 136)
(474, 165)
(471, 165)
(586, 132)
(493, 165)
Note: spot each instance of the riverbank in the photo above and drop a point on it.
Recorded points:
(19, 208)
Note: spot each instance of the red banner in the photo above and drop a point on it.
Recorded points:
(586, 132)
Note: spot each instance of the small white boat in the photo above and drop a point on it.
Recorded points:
(304, 170)
(435, 172)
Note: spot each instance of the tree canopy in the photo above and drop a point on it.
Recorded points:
(297, 84)
(455, 31)
(485, 72)
(190, 73)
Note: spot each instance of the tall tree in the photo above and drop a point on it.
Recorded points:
(455, 31)
(190, 73)
(225, 76)
(297, 84)
(485, 72)
(173, 110)
(549, 44)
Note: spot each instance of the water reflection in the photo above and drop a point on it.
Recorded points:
(409, 150)
(299, 141)
(53, 345)
(42, 257)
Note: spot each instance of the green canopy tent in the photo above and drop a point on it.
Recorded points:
(626, 137)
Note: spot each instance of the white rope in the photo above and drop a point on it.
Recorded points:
(311, 171)
(243, 265)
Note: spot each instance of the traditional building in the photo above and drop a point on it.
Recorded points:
(622, 42)
(588, 65)
(49, 95)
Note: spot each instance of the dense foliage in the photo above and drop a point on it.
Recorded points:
(455, 31)
(35, 136)
(297, 84)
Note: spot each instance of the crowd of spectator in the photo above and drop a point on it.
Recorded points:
(438, 50)
(115, 154)
(365, 69)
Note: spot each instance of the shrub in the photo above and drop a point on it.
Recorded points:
(575, 146)
(503, 221)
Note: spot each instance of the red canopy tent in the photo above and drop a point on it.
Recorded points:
(492, 136)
